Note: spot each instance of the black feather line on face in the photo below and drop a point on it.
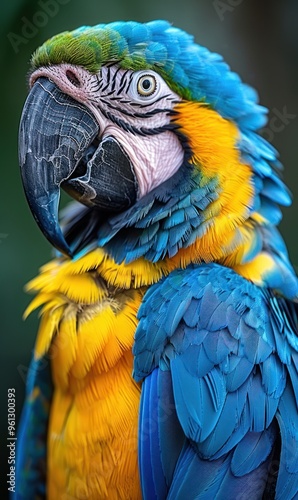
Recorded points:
(122, 82)
(134, 114)
(131, 128)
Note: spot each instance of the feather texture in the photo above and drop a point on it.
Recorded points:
(190, 287)
(227, 373)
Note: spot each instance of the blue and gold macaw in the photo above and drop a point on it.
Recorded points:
(166, 362)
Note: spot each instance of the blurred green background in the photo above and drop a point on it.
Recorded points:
(258, 39)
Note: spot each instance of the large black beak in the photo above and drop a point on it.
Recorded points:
(59, 145)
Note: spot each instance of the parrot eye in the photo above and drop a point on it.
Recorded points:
(146, 85)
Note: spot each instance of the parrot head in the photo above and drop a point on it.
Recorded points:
(152, 132)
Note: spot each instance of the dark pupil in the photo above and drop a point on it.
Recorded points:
(146, 84)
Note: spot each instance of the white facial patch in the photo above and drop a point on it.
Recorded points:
(155, 158)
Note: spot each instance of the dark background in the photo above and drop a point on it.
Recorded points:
(259, 39)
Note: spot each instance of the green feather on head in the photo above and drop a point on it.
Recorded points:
(132, 45)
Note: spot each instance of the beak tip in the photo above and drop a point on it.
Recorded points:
(46, 216)
(56, 238)
(63, 248)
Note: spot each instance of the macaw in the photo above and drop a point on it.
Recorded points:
(166, 361)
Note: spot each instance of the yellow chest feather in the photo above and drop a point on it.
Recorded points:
(87, 329)
(92, 438)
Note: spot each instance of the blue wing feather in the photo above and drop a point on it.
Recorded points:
(171, 435)
(31, 450)
(229, 352)
(287, 483)
(152, 478)
(252, 449)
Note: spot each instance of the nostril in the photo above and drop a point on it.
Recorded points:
(72, 78)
